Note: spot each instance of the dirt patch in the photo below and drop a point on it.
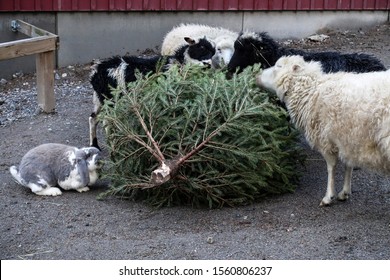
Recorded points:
(77, 226)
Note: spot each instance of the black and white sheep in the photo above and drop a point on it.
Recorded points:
(222, 38)
(47, 166)
(344, 116)
(120, 70)
(251, 48)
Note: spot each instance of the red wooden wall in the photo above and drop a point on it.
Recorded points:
(190, 5)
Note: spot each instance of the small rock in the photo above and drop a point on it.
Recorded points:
(318, 37)
(64, 75)
(3, 81)
(17, 75)
(210, 240)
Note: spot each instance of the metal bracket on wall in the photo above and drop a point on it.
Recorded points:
(15, 26)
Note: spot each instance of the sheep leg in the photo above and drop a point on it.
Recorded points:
(93, 122)
(92, 131)
(346, 192)
(331, 161)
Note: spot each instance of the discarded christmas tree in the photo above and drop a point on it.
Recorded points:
(189, 136)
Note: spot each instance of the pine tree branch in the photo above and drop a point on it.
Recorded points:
(168, 168)
(200, 146)
(156, 152)
(142, 143)
(134, 137)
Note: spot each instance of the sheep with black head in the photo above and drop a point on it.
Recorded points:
(118, 71)
(223, 39)
(251, 48)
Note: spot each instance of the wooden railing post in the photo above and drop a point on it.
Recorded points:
(43, 44)
(45, 81)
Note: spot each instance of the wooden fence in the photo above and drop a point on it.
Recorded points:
(42, 44)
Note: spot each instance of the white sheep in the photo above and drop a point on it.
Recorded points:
(47, 166)
(222, 38)
(344, 116)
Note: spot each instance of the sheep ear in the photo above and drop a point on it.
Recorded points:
(189, 40)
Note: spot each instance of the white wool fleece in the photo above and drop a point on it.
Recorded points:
(174, 39)
(341, 113)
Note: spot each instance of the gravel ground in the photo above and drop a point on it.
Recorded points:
(77, 226)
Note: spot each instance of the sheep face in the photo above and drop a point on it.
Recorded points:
(279, 78)
(266, 79)
(221, 58)
(272, 78)
(224, 51)
(251, 48)
(199, 51)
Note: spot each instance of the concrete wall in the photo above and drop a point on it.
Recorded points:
(85, 36)
(302, 24)
(99, 35)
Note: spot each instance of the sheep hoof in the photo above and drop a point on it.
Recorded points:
(342, 196)
(84, 189)
(324, 204)
(326, 201)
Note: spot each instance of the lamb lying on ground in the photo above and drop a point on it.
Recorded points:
(344, 116)
(222, 38)
(49, 165)
(251, 48)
